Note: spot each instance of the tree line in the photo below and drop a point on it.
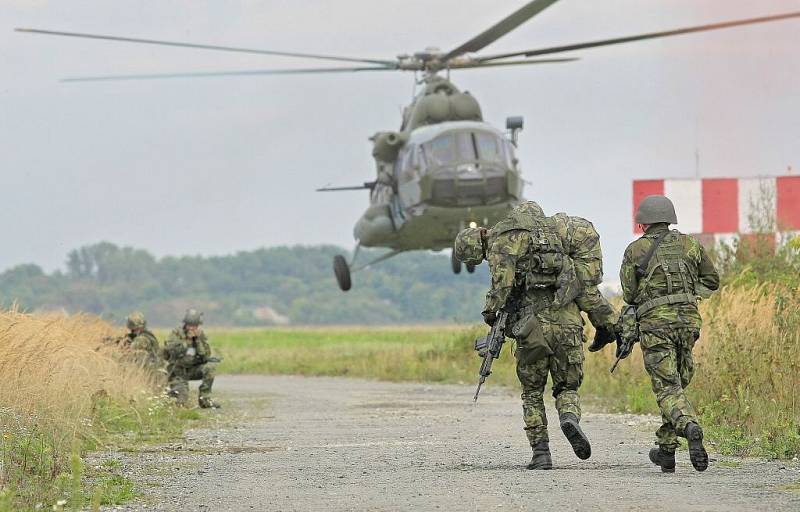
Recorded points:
(267, 286)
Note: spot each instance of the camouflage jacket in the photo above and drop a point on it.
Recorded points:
(508, 257)
(700, 275)
(182, 351)
(144, 342)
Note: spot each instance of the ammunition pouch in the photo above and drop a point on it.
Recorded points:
(676, 298)
(628, 325)
(545, 268)
(531, 342)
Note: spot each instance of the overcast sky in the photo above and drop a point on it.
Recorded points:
(219, 165)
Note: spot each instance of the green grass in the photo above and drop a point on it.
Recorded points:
(42, 468)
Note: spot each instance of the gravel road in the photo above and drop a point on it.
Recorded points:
(334, 444)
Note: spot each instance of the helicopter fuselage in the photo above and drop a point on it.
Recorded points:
(445, 176)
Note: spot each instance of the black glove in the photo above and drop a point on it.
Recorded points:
(602, 337)
(623, 349)
(489, 317)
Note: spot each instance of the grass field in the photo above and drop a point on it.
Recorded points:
(746, 382)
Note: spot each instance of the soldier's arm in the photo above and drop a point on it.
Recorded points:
(203, 348)
(627, 277)
(595, 305)
(140, 342)
(503, 254)
(706, 273)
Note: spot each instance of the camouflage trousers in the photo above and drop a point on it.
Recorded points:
(565, 366)
(668, 360)
(178, 385)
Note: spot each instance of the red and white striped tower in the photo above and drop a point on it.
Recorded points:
(720, 209)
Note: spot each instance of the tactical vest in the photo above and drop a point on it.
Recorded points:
(669, 277)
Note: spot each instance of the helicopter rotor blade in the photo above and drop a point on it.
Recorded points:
(500, 28)
(207, 74)
(512, 63)
(388, 63)
(641, 37)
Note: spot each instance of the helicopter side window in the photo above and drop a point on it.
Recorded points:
(489, 147)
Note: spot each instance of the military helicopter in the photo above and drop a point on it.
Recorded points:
(445, 168)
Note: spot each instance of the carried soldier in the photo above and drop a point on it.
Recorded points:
(188, 355)
(662, 275)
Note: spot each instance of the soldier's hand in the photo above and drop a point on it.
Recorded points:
(489, 317)
(602, 337)
(623, 349)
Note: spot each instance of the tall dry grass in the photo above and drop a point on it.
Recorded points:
(54, 368)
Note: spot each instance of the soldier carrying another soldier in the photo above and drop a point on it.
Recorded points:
(189, 358)
(534, 281)
(662, 274)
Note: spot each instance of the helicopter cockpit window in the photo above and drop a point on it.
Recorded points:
(489, 147)
(441, 151)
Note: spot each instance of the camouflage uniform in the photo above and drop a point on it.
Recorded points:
(187, 359)
(544, 320)
(143, 343)
(148, 350)
(669, 321)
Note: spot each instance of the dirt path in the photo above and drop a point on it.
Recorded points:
(342, 444)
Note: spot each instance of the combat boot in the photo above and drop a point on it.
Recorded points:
(541, 457)
(575, 436)
(662, 458)
(206, 402)
(697, 452)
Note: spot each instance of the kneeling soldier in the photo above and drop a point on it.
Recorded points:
(189, 358)
(662, 274)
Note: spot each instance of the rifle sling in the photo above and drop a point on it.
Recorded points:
(641, 268)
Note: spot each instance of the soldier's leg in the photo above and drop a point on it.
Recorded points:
(533, 377)
(207, 373)
(661, 360)
(178, 387)
(567, 371)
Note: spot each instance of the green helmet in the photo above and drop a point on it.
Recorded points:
(192, 317)
(136, 320)
(655, 209)
(469, 246)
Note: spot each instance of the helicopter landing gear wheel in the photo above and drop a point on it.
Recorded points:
(470, 268)
(342, 271)
(455, 264)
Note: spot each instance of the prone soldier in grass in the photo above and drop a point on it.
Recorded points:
(535, 282)
(662, 274)
(188, 355)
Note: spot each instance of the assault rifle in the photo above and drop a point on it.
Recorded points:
(490, 346)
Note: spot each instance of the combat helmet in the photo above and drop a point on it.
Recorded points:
(654, 209)
(136, 320)
(469, 247)
(192, 317)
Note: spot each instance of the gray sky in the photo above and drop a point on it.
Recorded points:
(214, 166)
